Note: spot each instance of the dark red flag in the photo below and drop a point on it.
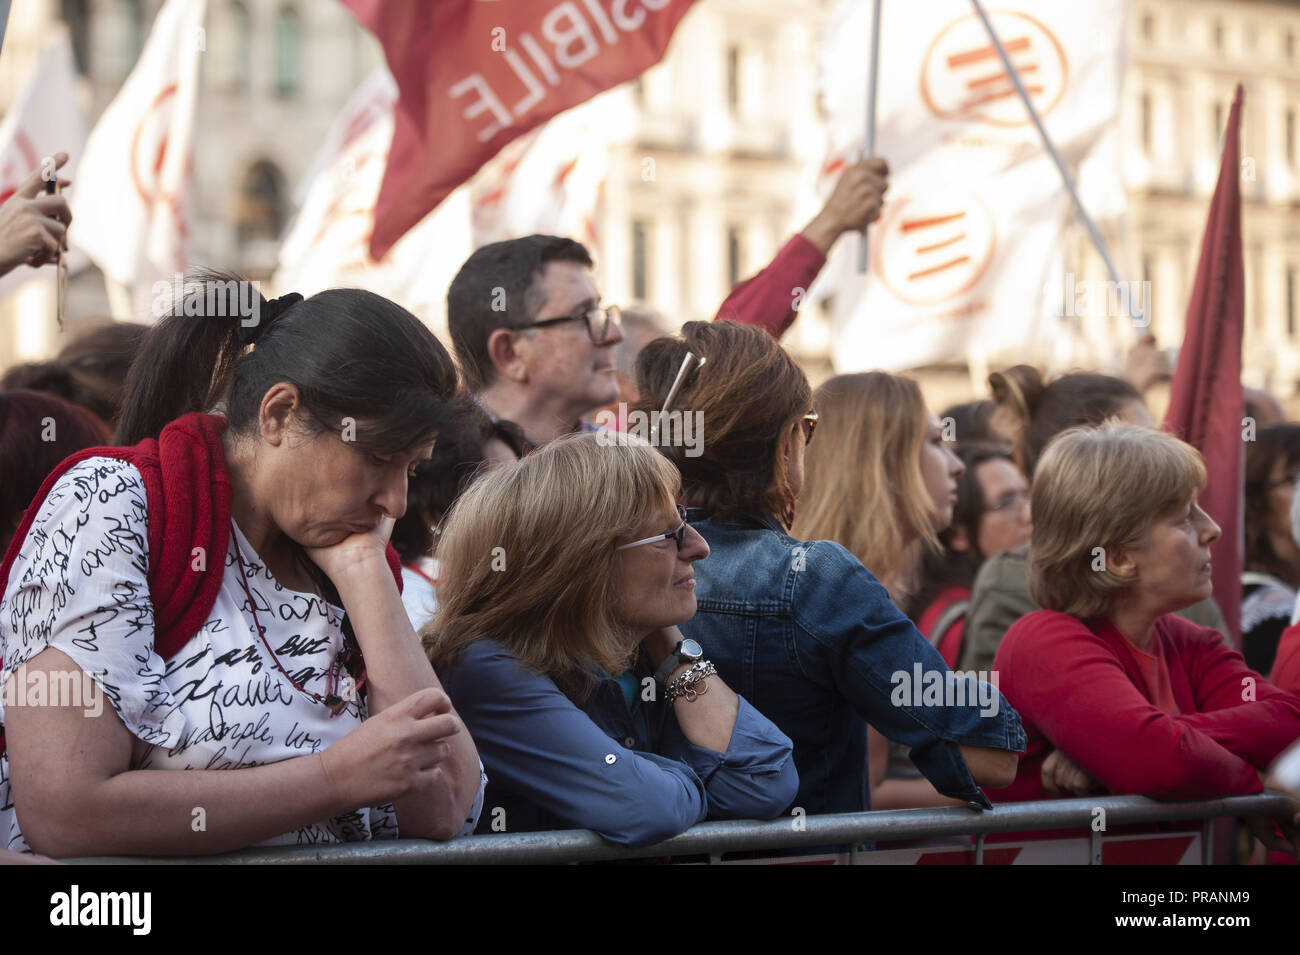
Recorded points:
(1206, 402)
(471, 76)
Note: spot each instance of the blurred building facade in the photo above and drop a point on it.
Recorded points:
(274, 74)
(1185, 60)
(716, 176)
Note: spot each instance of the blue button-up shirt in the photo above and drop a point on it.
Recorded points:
(630, 774)
(811, 638)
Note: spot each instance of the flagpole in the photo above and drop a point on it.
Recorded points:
(870, 149)
(1140, 321)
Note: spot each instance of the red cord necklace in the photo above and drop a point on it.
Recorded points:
(344, 661)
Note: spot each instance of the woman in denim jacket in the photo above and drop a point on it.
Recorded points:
(802, 629)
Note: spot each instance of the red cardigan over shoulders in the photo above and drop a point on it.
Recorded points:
(1078, 688)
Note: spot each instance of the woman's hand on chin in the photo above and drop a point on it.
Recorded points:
(359, 553)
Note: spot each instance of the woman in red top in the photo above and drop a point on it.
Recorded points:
(1286, 667)
(1110, 685)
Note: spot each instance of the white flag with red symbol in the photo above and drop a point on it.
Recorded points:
(130, 206)
(43, 119)
(969, 247)
(550, 179)
(328, 245)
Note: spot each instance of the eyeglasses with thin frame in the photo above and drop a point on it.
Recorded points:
(809, 422)
(1291, 477)
(1012, 501)
(678, 533)
(596, 316)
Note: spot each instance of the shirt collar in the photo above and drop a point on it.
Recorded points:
(583, 425)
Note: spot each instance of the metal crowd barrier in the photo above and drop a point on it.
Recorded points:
(712, 839)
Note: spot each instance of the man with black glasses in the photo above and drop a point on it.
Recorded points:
(532, 339)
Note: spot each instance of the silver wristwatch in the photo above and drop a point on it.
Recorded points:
(686, 651)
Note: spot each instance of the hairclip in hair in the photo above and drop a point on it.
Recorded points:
(269, 312)
(691, 360)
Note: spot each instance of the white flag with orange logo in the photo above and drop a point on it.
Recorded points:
(969, 247)
(130, 204)
(43, 119)
(328, 245)
(549, 180)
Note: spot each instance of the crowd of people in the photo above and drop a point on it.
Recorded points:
(337, 582)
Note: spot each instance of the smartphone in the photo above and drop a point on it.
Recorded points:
(61, 267)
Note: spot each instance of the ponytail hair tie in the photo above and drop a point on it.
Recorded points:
(270, 312)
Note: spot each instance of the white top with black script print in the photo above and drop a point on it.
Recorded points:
(80, 586)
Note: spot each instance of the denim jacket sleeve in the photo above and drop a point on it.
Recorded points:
(890, 673)
(754, 779)
(537, 743)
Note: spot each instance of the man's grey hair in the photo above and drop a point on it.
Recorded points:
(640, 325)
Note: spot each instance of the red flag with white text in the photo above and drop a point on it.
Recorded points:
(472, 76)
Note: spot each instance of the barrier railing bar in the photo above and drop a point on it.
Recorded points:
(715, 838)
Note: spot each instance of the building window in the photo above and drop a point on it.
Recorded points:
(240, 62)
(124, 32)
(1148, 27)
(1218, 34)
(1288, 45)
(260, 213)
(640, 263)
(1148, 270)
(1146, 122)
(1290, 137)
(134, 38)
(76, 14)
(1218, 125)
(733, 257)
(288, 49)
(733, 78)
(1290, 303)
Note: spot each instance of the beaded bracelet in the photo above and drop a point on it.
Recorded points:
(691, 683)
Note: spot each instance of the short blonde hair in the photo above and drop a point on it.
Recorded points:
(863, 486)
(1101, 488)
(527, 556)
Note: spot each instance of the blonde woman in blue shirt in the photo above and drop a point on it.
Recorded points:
(564, 579)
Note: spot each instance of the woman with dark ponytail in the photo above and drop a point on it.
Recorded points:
(225, 581)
